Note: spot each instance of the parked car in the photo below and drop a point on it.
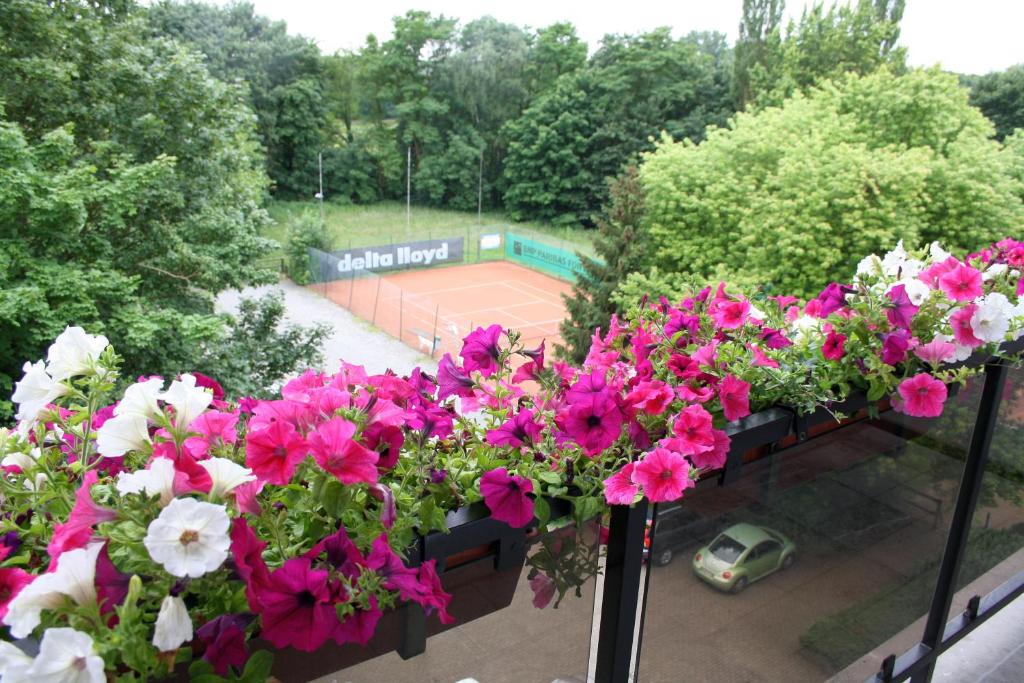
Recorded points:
(677, 528)
(742, 554)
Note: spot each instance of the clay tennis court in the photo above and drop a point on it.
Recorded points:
(433, 309)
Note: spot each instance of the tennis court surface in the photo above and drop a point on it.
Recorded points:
(433, 309)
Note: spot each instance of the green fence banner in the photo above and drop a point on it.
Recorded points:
(555, 261)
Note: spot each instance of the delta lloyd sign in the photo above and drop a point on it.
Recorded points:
(400, 256)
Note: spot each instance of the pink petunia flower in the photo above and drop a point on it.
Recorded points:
(901, 310)
(931, 275)
(831, 299)
(923, 395)
(963, 332)
(336, 452)
(935, 352)
(734, 395)
(760, 359)
(895, 346)
(663, 474)
(432, 596)
(774, 339)
(224, 638)
(389, 566)
(451, 380)
(692, 431)
(714, 458)
(296, 606)
(519, 430)
(247, 551)
(652, 397)
(12, 580)
(506, 497)
(962, 283)
(594, 423)
(728, 315)
(274, 453)
(480, 350)
(620, 489)
(359, 626)
(76, 532)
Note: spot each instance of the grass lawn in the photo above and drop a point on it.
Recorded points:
(374, 224)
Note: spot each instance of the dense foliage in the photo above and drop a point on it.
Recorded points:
(1000, 96)
(131, 186)
(787, 196)
(199, 522)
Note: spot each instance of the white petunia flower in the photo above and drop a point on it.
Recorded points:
(937, 253)
(140, 399)
(25, 461)
(74, 352)
(14, 663)
(189, 401)
(917, 291)
(173, 625)
(35, 390)
(894, 260)
(122, 433)
(189, 538)
(870, 266)
(67, 656)
(994, 271)
(226, 475)
(804, 325)
(991, 321)
(74, 578)
(156, 480)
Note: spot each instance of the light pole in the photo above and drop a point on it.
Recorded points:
(320, 195)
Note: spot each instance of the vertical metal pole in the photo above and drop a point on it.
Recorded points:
(622, 578)
(320, 194)
(480, 191)
(376, 299)
(351, 287)
(966, 501)
(433, 335)
(401, 308)
(408, 189)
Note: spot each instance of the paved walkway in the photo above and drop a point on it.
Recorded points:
(352, 339)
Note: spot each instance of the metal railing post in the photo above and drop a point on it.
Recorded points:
(966, 501)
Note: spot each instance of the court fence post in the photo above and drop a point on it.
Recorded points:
(433, 335)
(376, 299)
(351, 287)
(401, 309)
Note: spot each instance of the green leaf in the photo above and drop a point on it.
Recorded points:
(549, 477)
(257, 669)
(542, 510)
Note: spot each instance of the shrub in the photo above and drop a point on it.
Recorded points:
(305, 232)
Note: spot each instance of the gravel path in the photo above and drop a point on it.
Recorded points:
(353, 340)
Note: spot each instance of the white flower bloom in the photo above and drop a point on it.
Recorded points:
(917, 291)
(67, 656)
(74, 352)
(189, 401)
(35, 390)
(991, 321)
(756, 312)
(140, 399)
(26, 461)
(804, 325)
(994, 271)
(937, 253)
(870, 266)
(14, 663)
(173, 625)
(75, 578)
(122, 433)
(894, 260)
(189, 538)
(226, 475)
(156, 480)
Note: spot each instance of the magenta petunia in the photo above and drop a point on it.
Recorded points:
(431, 421)
(224, 639)
(433, 597)
(387, 441)
(12, 581)
(729, 314)
(594, 423)
(935, 352)
(389, 566)
(663, 474)
(336, 452)
(520, 430)
(247, 551)
(536, 355)
(340, 552)
(452, 380)
(923, 395)
(774, 339)
(831, 299)
(962, 283)
(900, 310)
(692, 431)
(480, 350)
(359, 626)
(963, 332)
(760, 359)
(215, 428)
(734, 395)
(111, 583)
(652, 397)
(296, 606)
(833, 348)
(506, 496)
(715, 458)
(895, 346)
(76, 532)
(931, 275)
(274, 453)
(620, 489)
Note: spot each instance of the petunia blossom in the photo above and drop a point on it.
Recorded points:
(900, 310)
(224, 638)
(452, 380)
(734, 395)
(74, 577)
(594, 423)
(895, 346)
(140, 399)
(173, 626)
(296, 606)
(187, 399)
(506, 497)
(274, 453)
(35, 391)
(189, 537)
(923, 395)
(652, 397)
(66, 656)
(935, 352)
(73, 353)
(663, 474)
(225, 476)
(76, 531)
(962, 283)
(480, 350)
(519, 430)
(620, 489)
(12, 580)
(963, 331)
(336, 452)
(121, 434)
(543, 590)
(691, 431)
(156, 480)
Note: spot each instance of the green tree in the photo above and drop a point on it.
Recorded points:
(758, 49)
(556, 50)
(792, 196)
(1000, 96)
(621, 243)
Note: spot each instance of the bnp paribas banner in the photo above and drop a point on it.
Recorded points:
(401, 256)
(544, 257)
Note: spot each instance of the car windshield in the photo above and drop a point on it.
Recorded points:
(727, 549)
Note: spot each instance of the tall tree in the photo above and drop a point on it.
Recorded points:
(621, 244)
(1000, 96)
(556, 50)
(759, 47)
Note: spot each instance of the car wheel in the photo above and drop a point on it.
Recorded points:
(788, 562)
(663, 557)
(740, 584)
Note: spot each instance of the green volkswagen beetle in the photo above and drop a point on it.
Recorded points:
(742, 554)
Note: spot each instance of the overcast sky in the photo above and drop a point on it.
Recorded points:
(967, 36)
